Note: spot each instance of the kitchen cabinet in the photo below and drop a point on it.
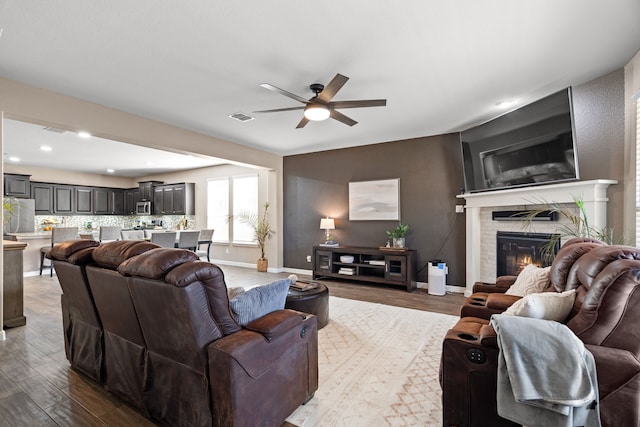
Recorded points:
(131, 197)
(147, 190)
(84, 200)
(109, 201)
(17, 185)
(42, 193)
(63, 199)
(174, 199)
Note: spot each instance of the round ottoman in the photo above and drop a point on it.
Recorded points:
(314, 301)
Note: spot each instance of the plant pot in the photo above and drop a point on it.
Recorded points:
(398, 242)
(262, 265)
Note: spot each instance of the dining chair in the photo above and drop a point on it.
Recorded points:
(109, 234)
(164, 239)
(188, 240)
(205, 238)
(58, 235)
(132, 234)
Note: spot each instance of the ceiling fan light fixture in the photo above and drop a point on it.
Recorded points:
(316, 112)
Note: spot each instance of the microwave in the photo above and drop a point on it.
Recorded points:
(143, 208)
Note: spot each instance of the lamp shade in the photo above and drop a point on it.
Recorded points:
(327, 224)
(316, 112)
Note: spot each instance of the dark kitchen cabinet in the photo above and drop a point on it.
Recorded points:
(147, 190)
(42, 193)
(109, 201)
(84, 200)
(131, 197)
(174, 199)
(16, 185)
(63, 199)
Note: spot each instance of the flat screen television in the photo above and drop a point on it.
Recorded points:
(531, 145)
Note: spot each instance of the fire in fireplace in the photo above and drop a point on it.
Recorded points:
(515, 250)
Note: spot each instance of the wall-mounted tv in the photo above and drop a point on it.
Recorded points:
(531, 145)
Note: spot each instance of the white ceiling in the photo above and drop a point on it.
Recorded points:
(442, 65)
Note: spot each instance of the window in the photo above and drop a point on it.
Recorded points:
(231, 196)
(638, 168)
(245, 201)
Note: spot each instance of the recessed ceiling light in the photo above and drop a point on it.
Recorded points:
(14, 159)
(505, 104)
(83, 134)
(149, 163)
(45, 148)
(110, 170)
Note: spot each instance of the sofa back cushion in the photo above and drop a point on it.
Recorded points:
(157, 263)
(111, 254)
(608, 313)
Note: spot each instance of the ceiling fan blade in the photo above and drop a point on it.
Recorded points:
(284, 92)
(359, 104)
(279, 109)
(332, 88)
(342, 118)
(302, 123)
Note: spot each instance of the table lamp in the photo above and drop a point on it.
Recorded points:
(327, 224)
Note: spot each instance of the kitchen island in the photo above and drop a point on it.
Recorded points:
(33, 241)
(13, 294)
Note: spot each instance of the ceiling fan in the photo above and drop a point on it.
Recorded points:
(320, 106)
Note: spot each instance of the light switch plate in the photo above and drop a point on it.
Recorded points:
(459, 208)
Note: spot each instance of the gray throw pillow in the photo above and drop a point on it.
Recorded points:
(256, 302)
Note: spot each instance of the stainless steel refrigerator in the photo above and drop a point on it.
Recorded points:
(23, 218)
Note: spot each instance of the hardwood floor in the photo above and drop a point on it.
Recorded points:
(38, 388)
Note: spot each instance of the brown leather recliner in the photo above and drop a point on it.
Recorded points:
(605, 316)
(172, 329)
(490, 298)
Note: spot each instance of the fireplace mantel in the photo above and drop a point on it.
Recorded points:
(593, 193)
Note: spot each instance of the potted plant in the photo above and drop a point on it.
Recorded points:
(577, 225)
(262, 232)
(398, 235)
(8, 206)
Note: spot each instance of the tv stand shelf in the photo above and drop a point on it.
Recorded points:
(376, 265)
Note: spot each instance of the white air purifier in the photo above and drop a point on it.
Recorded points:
(437, 277)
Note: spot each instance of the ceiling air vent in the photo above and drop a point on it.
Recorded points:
(241, 117)
(56, 130)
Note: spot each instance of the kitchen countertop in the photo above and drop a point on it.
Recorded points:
(28, 236)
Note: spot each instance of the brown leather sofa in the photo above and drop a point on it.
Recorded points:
(605, 316)
(153, 325)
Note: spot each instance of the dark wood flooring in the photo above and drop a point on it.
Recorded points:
(38, 388)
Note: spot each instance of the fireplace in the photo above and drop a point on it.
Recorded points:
(515, 250)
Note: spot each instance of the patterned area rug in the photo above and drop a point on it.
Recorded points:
(378, 366)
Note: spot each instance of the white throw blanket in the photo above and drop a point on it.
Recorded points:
(546, 377)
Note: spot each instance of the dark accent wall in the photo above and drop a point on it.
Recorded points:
(316, 185)
(430, 172)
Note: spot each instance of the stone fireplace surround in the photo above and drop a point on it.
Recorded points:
(481, 229)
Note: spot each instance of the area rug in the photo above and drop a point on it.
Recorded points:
(378, 366)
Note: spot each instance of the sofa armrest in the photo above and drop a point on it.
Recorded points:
(255, 377)
(501, 301)
(276, 323)
(502, 284)
(268, 340)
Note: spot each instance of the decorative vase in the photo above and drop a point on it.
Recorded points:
(262, 265)
(398, 242)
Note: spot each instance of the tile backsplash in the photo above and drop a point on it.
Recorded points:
(169, 222)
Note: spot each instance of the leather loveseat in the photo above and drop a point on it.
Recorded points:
(605, 316)
(153, 325)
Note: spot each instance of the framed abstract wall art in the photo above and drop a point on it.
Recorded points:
(374, 200)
